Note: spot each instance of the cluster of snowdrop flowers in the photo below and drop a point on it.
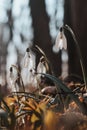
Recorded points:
(28, 73)
(61, 42)
(28, 70)
(33, 71)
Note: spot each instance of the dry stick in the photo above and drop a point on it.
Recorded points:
(79, 54)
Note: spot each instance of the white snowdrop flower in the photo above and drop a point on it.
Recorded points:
(13, 78)
(31, 75)
(29, 65)
(61, 42)
(41, 68)
(29, 59)
(26, 60)
(32, 62)
(13, 74)
(33, 82)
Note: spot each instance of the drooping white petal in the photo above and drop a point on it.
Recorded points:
(41, 68)
(60, 45)
(26, 59)
(32, 61)
(30, 76)
(33, 78)
(13, 74)
(29, 60)
(64, 42)
(58, 39)
(12, 78)
(55, 47)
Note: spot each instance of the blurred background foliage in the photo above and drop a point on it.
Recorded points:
(24, 23)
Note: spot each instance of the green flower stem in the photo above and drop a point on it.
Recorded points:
(79, 54)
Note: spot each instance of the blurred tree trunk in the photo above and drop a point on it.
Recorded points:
(75, 17)
(41, 33)
(3, 52)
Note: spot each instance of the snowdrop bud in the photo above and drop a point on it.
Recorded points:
(61, 42)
